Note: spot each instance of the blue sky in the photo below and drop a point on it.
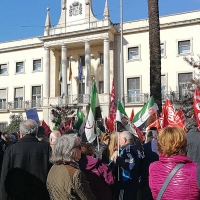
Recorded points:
(25, 18)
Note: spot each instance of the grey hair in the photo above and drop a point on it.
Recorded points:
(28, 127)
(64, 150)
(127, 135)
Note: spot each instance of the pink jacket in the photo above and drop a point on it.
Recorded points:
(184, 183)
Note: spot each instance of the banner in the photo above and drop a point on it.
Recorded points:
(32, 114)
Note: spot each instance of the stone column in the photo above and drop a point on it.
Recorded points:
(87, 68)
(46, 70)
(64, 69)
(106, 65)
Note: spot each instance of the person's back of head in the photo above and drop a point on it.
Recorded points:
(41, 130)
(40, 133)
(70, 131)
(28, 127)
(5, 136)
(87, 149)
(54, 136)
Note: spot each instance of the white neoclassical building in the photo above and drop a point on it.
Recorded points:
(30, 68)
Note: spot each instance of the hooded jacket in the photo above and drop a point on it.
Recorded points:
(98, 175)
(183, 185)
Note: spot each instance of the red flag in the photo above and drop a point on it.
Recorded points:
(46, 127)
(181, 115)
(70, 71)
(139, 133)
(132, 115)
(109, 125)
(196, 104)
(170, 117)
(154, 124)
(110, 121)
(112, 115)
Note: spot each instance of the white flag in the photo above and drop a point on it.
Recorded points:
(89, 128)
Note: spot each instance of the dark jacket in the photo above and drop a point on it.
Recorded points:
(29, 155)
(128, 161)
(193, 140)
(98, 175)
(149, 157)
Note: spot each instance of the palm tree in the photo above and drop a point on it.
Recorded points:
(155, 54)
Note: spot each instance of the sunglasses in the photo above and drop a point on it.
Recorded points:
(79, 147)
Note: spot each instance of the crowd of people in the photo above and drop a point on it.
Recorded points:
(119, 167)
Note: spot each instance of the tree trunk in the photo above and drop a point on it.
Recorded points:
(155, 54)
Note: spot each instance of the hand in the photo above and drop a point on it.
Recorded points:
(114, 156)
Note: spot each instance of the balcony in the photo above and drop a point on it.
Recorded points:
(74, 99)
(136, 98)
(21, 105)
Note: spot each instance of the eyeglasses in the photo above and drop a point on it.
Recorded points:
(79, 147)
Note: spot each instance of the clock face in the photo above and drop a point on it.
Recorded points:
(75, 11)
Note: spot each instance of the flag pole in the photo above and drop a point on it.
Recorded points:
(70, 71)
(97, 136)
(122, 56)
(117, 146)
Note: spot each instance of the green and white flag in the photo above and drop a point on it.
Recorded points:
(80, 117)
(122, 117)
(94, 114)
(89, 127)
(94, 102)
(143, 115)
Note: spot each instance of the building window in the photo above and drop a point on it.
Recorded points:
(82, 60)
(18, 100)
(2, 98)
(162, 49)
(68, 89)
(101, 88)
(184, 79)
(101, 59)
(133, 53)
(133, 89)
(3, 69)
(163, 86)
(19, 67)
(184, 47)
(36, 96)
(37, 65)
(3, 126)
(81, 88)
(82, 98)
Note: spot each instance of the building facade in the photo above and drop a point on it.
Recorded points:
(31, 69)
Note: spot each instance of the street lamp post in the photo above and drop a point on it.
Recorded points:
(121, 56)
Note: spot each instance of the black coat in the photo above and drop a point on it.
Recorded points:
(30, 156)
(193, 144)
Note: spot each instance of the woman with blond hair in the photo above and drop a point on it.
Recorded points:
(174, 175)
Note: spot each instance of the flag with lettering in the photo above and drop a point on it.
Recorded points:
(170, 116)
